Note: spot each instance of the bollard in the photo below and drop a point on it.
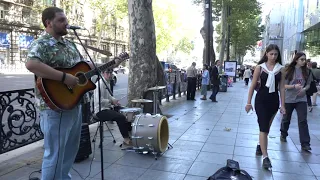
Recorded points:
(160, 97)
(168, 82)
(179, 90)
(174, 86)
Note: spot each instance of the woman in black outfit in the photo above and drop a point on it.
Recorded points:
(268, 76)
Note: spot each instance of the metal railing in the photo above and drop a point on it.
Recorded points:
(19, 120)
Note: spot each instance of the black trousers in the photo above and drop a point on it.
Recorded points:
(215, 90)
(246, 80)
(111, 115)
(301, 108)
(191, 89)
(309, 100)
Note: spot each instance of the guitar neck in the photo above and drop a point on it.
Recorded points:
(93, 72)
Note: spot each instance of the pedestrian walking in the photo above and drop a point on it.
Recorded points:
(297, 82)
(205, 82)
(267, 78)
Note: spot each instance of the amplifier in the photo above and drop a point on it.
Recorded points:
(85, 144)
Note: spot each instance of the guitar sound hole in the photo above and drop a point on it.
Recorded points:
(82, 78)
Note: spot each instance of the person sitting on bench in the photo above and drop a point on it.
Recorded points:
(106, 113)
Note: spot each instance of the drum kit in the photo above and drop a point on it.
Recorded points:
(150, 133)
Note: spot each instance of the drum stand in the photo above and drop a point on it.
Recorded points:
(95, 135)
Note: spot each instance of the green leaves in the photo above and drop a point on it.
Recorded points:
(171, 29)
(244, 20)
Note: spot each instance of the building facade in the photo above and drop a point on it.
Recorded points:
(298, 23)
(311, 34)
(20, 24)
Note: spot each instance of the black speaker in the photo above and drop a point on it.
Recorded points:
(85, 144)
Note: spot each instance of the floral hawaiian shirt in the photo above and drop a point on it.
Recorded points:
(55, 53)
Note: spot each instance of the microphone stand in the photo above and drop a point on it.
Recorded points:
(98, 72)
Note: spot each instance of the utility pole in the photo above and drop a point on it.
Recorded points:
(209, 30)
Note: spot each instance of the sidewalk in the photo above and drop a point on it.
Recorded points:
(204, 135)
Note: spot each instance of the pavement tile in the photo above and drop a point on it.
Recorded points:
(192, 145)
(215, 158)
(315, 169)
(221, 140)
(258, 174)
(227, 134)
(161, 175)
(119, 172)
(291, 167)
(172, 165)
(20, 174)
(204, 169)
(136, 160)
(286, 176)
(184, 154)
(87, 171)
(218, 148)
(194, 137)
(190, 177)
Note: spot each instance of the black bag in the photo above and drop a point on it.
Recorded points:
(230, 172)
(313, 86)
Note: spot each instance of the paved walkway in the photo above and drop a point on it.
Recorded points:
(204, 135)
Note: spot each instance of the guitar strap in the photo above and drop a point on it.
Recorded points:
(81, 57)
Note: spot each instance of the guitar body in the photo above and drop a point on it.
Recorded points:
(59, 96)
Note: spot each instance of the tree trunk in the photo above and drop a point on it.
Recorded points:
(204, 31)
(95, 53)
(223, 32)
(143, 61)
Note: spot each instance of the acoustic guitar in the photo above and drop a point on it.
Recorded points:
(60, 97)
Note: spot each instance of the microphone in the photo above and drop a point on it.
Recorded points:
(74, 27)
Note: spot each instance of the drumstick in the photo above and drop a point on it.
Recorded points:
(122, 97)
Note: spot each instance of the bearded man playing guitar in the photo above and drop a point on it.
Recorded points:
(60, 121)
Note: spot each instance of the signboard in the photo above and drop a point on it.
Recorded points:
(230, 68)
(4, 40)
(25, 41)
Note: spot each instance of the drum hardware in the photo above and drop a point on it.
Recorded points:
(137, 137)
(96, 133)
(130, 113)
(141, 101)
(155, 91)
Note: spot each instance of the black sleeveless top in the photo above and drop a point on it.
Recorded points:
(263, 94)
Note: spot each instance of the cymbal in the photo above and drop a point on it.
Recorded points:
(156, 88)
(141, 101)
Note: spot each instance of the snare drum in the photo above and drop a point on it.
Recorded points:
(130, 113)
(150, 132)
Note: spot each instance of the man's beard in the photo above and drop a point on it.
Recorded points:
(60, 32)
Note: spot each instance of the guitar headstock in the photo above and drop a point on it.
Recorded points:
(123, 56)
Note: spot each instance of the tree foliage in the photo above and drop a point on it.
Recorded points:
(244, 20)
(169, 27)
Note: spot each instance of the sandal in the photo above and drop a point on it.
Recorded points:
(127, 144)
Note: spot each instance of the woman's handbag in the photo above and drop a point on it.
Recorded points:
(313, 86)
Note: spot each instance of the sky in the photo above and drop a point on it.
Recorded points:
(267, 6)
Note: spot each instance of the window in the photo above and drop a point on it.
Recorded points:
(3, 12)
